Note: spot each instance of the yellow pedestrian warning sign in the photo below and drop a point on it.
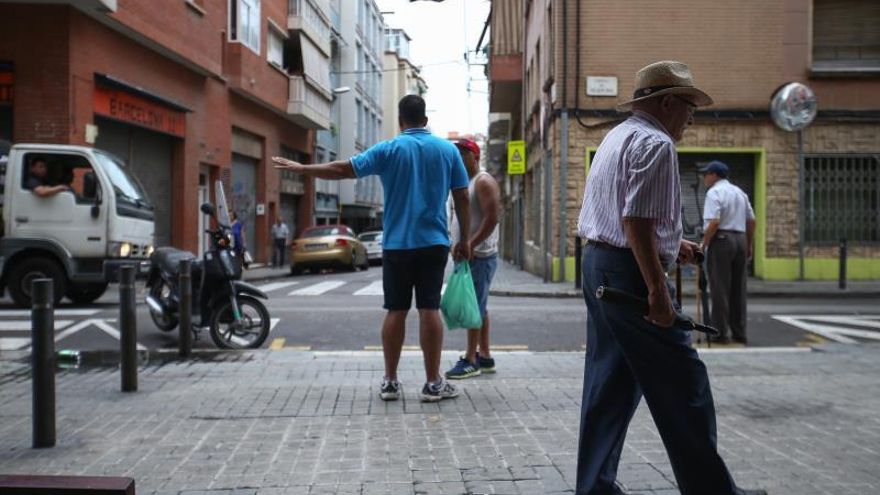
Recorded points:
(516, 157)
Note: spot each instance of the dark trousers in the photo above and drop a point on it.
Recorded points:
(627, 358)
(278, 252)
(726, 264)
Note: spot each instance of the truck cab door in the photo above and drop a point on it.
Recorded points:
(66, 217)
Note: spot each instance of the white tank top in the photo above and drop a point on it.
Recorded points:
(488, 247)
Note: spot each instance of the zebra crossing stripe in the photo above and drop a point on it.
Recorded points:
(22, 325)
(275, 286)
(58, 312)
(374, 289)
(318, 289)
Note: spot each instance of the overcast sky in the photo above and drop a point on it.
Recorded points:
(441, 32)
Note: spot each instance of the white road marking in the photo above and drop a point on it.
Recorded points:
(14, 343)
(20, 325)
(837, 331)
(109, 330)
(374, 289)
(275, 286)
(274, 321)
(58, 312)
(318, 289)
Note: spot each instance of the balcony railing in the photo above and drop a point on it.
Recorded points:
(309, 16)
(307, 106)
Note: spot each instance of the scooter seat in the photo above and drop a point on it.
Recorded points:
(168, 258)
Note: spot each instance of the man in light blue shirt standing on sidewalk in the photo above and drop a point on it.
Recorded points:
(418, 171)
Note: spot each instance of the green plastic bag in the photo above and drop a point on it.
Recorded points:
(459, 303)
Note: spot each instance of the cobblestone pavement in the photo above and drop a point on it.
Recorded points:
(311, 423)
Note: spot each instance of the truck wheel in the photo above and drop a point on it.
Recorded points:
(25, 272)
(85, 293)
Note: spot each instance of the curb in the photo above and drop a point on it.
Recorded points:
(766, 294)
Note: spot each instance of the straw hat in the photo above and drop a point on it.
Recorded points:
(663, 78)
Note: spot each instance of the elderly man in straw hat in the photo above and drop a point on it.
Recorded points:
(631, 220)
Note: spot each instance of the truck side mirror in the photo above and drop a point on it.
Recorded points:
(90, 185)
(96, 208)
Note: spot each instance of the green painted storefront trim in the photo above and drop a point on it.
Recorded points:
(821, 268)
(776, 268)
(569, 269)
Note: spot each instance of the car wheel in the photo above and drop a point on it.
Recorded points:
(294, 270)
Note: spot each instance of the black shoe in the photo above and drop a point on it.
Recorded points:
(740, 491)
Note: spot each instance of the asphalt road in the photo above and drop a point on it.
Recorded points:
(343, 311)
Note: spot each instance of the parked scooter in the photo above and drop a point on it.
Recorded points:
(228, 307)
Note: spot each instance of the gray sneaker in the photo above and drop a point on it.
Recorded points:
(435, 392)
(390, 390)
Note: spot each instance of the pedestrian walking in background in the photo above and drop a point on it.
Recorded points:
(631, 220)
(418, 171)
(728, 231)
(238, 235)
(280, 236)
(485, 207)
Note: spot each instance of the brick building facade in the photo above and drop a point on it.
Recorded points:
(187, 91)
(740, 53)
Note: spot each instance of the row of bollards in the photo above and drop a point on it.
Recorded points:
(43, 344)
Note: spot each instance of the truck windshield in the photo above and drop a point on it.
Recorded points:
(125, 185)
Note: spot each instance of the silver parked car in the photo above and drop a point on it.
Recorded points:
(373, 242)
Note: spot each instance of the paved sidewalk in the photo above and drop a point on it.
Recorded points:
(288, 422)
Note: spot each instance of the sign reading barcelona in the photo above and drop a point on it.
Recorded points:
(134, 109)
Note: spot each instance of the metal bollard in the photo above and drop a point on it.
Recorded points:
(185, 309)
(128, 330)
(578, 252)
(43, 362)
(842, 277)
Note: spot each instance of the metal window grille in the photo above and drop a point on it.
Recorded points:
(842, 198)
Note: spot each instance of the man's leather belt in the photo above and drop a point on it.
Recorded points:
(606, 246)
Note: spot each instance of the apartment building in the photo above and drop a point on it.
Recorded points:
(360, 109)
(189, 93)
(558, 69)
(401, 77)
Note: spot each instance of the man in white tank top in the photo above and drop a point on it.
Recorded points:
(485, 209)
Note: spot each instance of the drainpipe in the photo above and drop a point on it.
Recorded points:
(563, 152)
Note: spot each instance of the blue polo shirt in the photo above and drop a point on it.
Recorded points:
(417, 171)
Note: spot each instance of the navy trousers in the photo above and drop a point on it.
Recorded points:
(626, 358)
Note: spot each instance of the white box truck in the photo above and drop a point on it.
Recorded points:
(81, 234)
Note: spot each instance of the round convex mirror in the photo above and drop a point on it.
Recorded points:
(793, 107)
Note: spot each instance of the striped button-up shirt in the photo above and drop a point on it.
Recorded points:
(729, 205)
(634, 174)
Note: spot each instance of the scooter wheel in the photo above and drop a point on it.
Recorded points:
(166, 323)
(250, 333)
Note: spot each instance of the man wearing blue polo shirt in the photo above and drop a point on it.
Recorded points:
(418, 170)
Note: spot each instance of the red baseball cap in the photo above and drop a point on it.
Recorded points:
(469, 145)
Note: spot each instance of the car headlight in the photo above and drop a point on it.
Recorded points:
(150, 250)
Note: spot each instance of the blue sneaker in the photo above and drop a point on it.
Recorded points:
(435, 392)
(487, 365)
(463, 369)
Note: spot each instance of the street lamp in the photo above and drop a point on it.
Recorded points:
(341, 89)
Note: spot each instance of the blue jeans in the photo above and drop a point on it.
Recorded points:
(482, 271)
(626, 358)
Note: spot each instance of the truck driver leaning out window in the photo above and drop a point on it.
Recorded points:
(38, 180)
